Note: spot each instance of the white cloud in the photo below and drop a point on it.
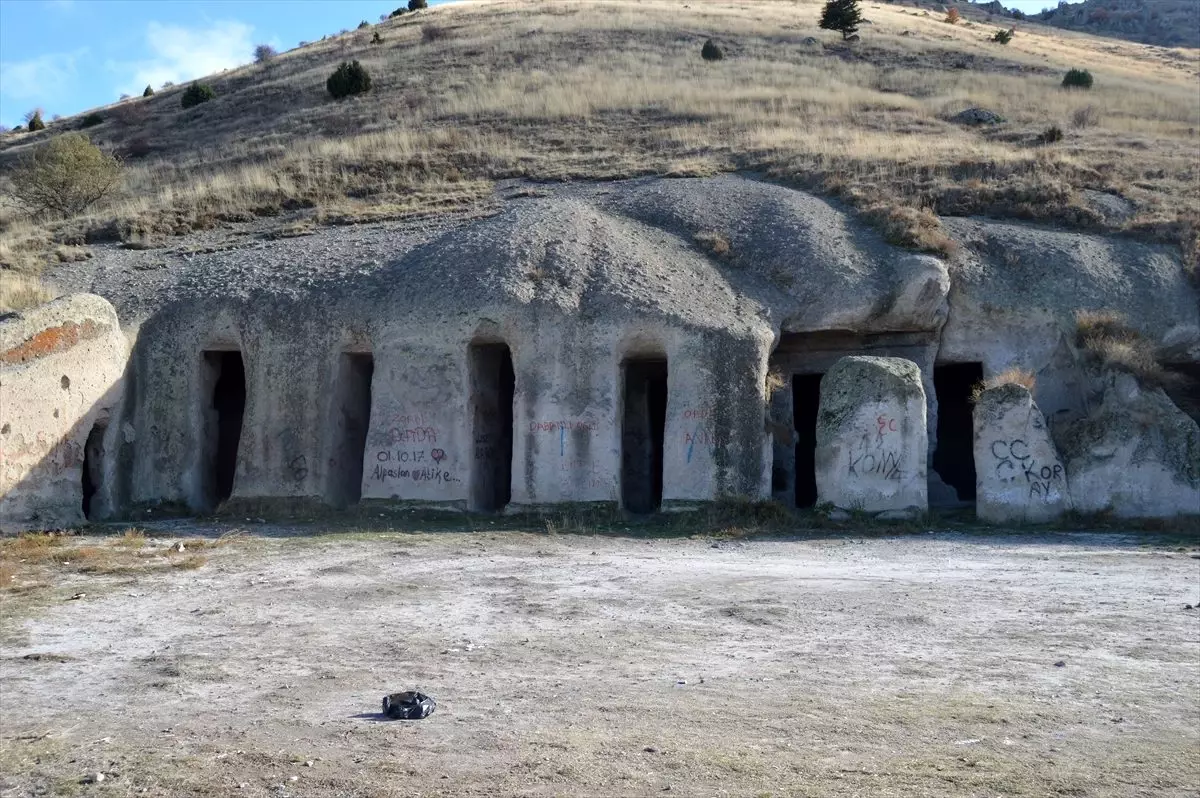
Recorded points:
(43, 80)
(180, 54)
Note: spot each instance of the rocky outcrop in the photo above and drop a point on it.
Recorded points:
(1019, 477)
(1166, 23)
(582, 345)
(61, 368)
(1136, 454)
(871, 440)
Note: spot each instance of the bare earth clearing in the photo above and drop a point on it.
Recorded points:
(592, 665)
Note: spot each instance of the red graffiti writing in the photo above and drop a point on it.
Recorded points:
(554, 426)
(397, 435)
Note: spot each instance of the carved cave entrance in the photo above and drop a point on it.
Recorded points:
(643, 433)
(806, 400)
(223, 428)
(493, 387)
(954, 458)
(93, 465)
(352, 419)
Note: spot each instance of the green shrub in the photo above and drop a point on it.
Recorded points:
(149, 92)
(264, 53)
(197, 93)
(364, 24)
(33, 120)
(711, 51)
(91, 120)
(842, 16)
(417, 5)
(349, 78)
(1077, 79)
(398, 12)
(66, 175)
(376, 38)
(1051, 134)
(1003, 36)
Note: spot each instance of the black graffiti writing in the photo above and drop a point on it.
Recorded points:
(427, 474)
(299, 468)
(1013, 459)
(885, 464)
(402, 456)
(432, 475)
(381, 473)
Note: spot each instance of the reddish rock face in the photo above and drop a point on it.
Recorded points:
(52, 341)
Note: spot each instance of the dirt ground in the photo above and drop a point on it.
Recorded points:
(930, 664)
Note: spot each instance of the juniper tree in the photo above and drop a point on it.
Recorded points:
(841, 15)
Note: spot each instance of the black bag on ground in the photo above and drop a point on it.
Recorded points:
(408, 706)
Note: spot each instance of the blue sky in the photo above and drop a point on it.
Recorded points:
(66, 56)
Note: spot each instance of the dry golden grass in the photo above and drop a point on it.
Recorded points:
(1012, 376)
(561, 89)
(1109, 342)
(19, 291)
(32, 563)
(714, 243)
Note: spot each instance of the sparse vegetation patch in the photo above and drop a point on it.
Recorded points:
(573, 90)
(196, 94)
(66, 175)
(348, 79)
(1077, 79)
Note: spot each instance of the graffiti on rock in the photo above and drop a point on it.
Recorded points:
(563, 426)
(1014, 461)
(399, 435)
(298, 468)
(875, 456)
(697, 430)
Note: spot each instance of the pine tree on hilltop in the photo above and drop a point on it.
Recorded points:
(841, 15)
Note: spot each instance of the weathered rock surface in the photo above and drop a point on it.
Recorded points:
(359, 346)
(1018, 474)
(61, 368)
(1136, 454)
(977, 116)
(1017, 288)
(871, 439)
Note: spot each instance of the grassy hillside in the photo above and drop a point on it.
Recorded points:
(470, 93)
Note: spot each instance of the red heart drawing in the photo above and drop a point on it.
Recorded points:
(438, 455)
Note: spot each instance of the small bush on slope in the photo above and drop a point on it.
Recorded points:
(195, 94)
(348, 79)
(66, 175)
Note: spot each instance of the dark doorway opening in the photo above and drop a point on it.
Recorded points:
(493, 386)
(954, 458)
(352, 419)
(806, 400)
(93, 467)
(643, 433)
(225, 427)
